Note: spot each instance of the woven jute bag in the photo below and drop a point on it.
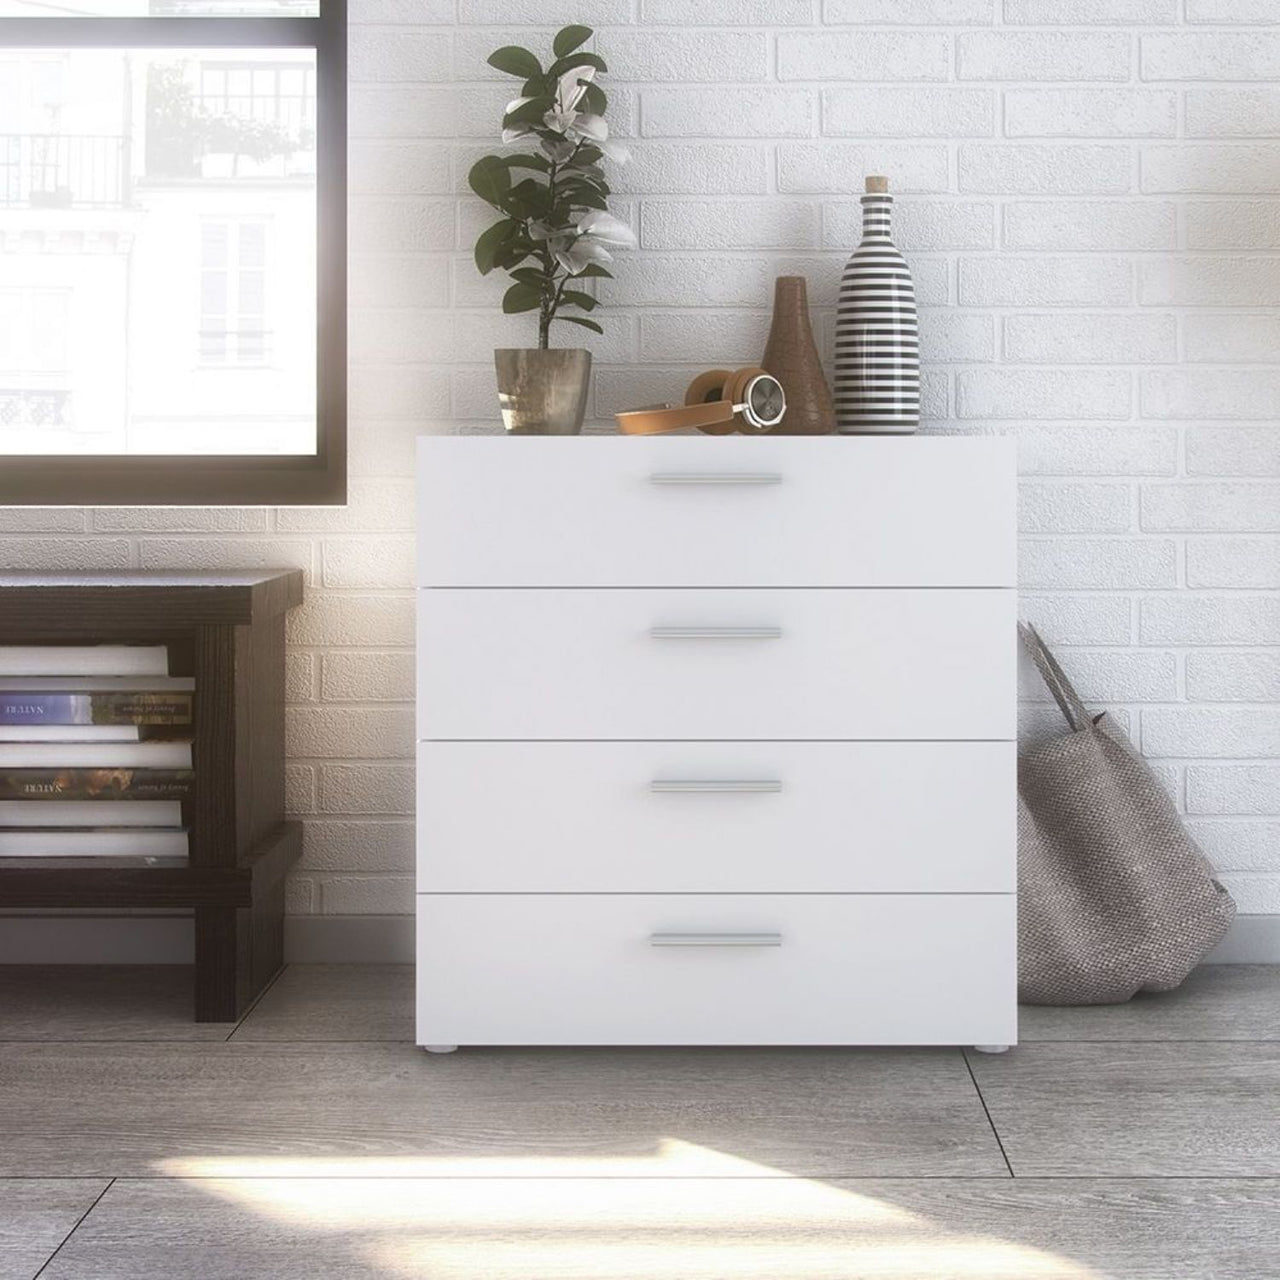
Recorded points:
(1114, 897)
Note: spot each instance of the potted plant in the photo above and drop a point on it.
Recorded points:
(556, 231)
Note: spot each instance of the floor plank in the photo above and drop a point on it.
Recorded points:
(671, 1229)
(35, 1217)
(126, 1109)
(101, 1002)
(1217, 1002)
(335, 1002)
(1134, 1130)
(1135, 1110)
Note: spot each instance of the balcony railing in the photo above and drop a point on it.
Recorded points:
(25, 407)
(63, 171)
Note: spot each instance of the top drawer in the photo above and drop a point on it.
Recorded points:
(700, 511)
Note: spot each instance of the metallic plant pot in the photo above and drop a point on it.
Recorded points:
(542, 393)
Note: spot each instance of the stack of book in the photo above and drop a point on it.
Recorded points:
(95, 753)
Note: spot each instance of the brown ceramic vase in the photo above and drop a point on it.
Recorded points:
(791, 355)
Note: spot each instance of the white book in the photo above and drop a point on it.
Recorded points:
(95, 755)
(84, 660)
(70, 733)
(96, 684)
(91, 842)
(91, 813)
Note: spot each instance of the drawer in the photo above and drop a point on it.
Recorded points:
(716, 969)
(702, 511)
(711, 817)
(716, 664)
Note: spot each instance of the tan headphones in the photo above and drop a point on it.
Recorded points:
(717, 402)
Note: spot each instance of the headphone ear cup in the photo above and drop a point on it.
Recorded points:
(733, 384)
(707, 388)
(736, 389)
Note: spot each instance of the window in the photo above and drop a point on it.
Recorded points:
(35, 398)
(283, 93)
(233, 268)
(172, 252)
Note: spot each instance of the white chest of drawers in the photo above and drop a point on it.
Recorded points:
(716, 741)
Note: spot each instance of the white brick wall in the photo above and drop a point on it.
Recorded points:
(1091, 204)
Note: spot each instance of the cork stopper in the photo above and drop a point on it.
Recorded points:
(877, 183)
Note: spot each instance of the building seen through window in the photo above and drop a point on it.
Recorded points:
(157, 242)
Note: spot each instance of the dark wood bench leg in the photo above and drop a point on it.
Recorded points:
(240, 949)
(216, 808)
(217, 963)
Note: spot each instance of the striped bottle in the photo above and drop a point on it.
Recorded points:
(877, 385)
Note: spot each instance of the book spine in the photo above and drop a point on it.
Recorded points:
(94, 708)
(96, 784)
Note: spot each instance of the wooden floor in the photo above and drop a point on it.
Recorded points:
(312, 1141)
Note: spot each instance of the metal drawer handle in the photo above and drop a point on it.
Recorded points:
(716, 785)
(715, 939)
(715, 477)
(715, 633)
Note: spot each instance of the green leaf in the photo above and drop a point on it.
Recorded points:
(589, 155)
(594, 101)
(593, 270)
(580, 59)
(521, 297)
(531, 276)
(583, 321)
(513, 253)
(569, 38)
(581, 194)
(528, 112)
(576, 298)
(490, 180)
(529, 200)
(588, 198)
(515, 61)
(540, 163)
(489, 242)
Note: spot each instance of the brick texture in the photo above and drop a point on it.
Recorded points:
(1090, 201)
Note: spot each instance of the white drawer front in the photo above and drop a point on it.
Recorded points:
(619, 512)
(716, 664)
(704, 817)
(749, 969)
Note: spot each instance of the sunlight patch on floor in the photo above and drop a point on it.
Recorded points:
(669, 1158)
(685, 1213)
(753, 1256)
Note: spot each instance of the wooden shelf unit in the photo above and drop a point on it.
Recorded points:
(228, 628)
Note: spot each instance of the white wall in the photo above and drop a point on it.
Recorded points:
(1090, 198)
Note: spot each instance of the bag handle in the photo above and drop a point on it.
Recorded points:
(1064, 694)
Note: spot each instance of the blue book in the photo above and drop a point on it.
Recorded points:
(131, 707)
(43, 708)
